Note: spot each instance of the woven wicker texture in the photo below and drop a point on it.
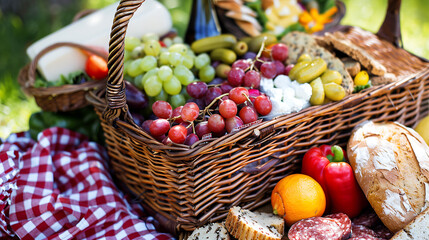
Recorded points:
(62, 98)
(189, 187)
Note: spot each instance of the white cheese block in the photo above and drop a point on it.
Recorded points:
(94, 30)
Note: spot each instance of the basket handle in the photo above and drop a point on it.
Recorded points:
(115, 89)
(33, 65)
(390, 30)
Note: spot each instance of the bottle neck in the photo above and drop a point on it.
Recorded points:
(203, 21)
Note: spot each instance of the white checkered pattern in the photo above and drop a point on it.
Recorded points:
(59, 188)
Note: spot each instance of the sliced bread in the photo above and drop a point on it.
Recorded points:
(211, 231)
(246, 225)
(417, 229)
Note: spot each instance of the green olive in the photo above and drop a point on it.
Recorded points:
(222, 70)
(240, 48)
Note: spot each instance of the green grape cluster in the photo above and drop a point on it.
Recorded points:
(164, 69)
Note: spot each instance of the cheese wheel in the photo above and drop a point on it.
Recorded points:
(391, 165)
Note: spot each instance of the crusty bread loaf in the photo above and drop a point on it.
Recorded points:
(391, 165)
(246, 225)
(211, 231)
(418, 229)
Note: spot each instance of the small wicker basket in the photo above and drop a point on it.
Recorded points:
(62, 98)
(186, 187)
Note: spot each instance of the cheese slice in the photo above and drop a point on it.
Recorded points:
(94, 30)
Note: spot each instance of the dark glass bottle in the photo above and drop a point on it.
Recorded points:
(203, 21)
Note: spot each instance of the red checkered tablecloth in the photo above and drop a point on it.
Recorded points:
(59, 188)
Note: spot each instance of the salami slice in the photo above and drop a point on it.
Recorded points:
(362, 231)
(316, 228)
(382, 231)
(364, 238)
(368, 219)
(344, 223)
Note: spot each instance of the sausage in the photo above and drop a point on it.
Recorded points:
(316, 228)
(344, 223)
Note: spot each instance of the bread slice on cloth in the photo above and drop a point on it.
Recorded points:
(391, 165)
(211, 231)
(246, 225)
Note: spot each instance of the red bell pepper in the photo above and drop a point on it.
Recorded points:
(327, 166)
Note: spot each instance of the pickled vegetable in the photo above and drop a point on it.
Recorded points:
(304, 57)
(311, 71)
(331, 76)
(334, 91)
(224, 55)
(294, 71)
(318, 93)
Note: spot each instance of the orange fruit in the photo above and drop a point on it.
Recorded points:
(297, 197)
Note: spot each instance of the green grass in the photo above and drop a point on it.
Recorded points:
(25, 25)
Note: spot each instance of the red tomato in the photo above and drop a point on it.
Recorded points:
(162, 43)
(96, 67)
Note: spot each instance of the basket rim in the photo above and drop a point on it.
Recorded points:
(179, 152)
(57, 90)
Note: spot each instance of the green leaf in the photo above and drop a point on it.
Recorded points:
(362, 87)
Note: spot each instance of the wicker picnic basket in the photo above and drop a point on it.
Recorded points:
(62, 98)
(186, 187)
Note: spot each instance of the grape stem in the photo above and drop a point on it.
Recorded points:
(247, 97)
(193, 126)
(259, 54)
(214, 85)
(206, 110)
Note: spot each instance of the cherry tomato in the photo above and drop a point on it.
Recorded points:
(96, 67)
(162, 43)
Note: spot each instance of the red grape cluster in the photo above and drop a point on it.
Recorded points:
(240, 106)
(173, 125)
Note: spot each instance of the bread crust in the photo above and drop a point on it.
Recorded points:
(418, 229)
(391, 164)
(339, 42)
(243, 231)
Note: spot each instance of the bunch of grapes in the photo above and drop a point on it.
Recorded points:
(225, 113)
(268, 63)
(163, 68)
